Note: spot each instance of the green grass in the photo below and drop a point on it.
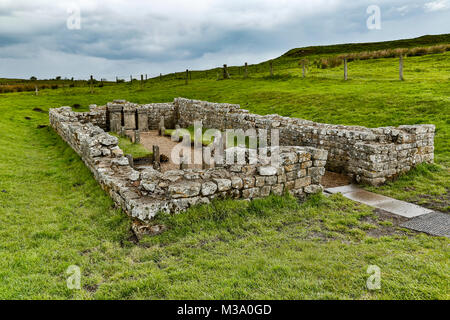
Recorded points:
(137, 150)
(54, 214)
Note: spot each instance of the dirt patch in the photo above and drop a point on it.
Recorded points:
(38, 110)
(151, 138)
(439, 203)
(387, 225)
(332, 180)
(90, 288)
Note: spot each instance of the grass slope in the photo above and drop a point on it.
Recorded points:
(53, 213)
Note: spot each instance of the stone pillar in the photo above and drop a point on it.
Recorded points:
(161, 127)
(137, 136)
(115, 118)
(130, 159)
(129, 117)
(156, 158)
(142, 119)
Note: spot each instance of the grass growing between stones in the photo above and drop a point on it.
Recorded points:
(137, 150)
(54, 214)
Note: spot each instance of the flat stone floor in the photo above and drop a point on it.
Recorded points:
(419, 218)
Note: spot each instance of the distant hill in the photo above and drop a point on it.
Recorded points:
(426, 40)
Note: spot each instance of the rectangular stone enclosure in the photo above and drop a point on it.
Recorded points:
(368, 155)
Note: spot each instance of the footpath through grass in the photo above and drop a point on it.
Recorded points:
(53, 213)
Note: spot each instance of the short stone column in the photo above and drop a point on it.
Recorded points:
(142, 119)
(129, 117)
(115, 118)
(156, 158)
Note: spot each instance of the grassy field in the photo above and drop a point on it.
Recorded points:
(53, 213)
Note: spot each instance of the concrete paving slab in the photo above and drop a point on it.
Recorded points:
(403, 208)
(366, 197)
(393, 206)
(434, 223)
(343, 189)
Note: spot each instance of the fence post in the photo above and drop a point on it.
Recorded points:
(92, 84)
(36, 89)
(226, 75)
(345, 68)
(271, 68)
(142, 81)
(131, 79)
(401, 68)
(156, 158)
(246, 70)
(187, 75)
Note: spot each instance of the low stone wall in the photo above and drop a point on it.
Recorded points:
(142, 194)
(368, 155)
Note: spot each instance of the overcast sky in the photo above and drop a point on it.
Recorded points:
(46, 39)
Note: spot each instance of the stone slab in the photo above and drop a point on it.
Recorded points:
(343, 189)
(434, 223)
(388, 204)
(403, 208)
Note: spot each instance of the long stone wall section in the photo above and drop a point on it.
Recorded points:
(368, 155)
(144, 193)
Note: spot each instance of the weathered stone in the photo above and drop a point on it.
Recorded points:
(184, 189)
(236, 182)
(223, 184)
(267, 171)
(208, 188)
(313, 188)
(302, 182)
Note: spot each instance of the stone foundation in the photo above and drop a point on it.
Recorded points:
(144, 192)
(369, 155)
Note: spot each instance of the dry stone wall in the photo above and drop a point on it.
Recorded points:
(369, 155)
(144, 192)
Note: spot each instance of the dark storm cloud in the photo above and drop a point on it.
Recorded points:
(123, 37)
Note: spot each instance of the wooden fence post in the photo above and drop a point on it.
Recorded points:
(345, 69)
(92, 84)
(142, 81)
(246, 70)
(131, 78)
(401, 68)
(226, 75)
(271, 68)
(187, 75)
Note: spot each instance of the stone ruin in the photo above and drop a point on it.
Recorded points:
(367, 155)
